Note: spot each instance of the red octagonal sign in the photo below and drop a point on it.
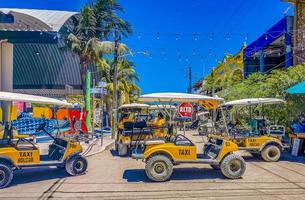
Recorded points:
(185, 109)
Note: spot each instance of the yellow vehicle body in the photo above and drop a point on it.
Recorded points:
(256, 142)
(186, 153)
(21, 157)
(252, 142)
(127, 139)
(30, 155)
(160, 156)
(267, 146)
(72, 148)
(175, 152)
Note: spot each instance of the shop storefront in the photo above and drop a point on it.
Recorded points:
(272, 50)
(298, 126)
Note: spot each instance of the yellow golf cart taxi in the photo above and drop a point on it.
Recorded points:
(18, 152)
(132, 127)
(160, 155)
(262, 137)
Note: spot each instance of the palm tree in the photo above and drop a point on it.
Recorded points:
(95, 24)
(86, 41)
(112, 27)
(126, 81)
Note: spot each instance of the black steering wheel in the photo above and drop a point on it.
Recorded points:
(41, 127)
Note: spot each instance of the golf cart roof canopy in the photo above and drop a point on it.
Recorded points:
(175, 97)
(133, 106)
(158, 107)
(9, 96)
(254, 101)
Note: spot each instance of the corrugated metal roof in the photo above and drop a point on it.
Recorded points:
(32, 19)
(48, 65)
(54, 93)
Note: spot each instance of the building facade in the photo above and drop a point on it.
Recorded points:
(230, 68)
(272, 50)
(35, 58)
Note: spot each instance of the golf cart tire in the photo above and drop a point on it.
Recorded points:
(271, 153)
(7, 175)
(77, 165)
(166, 166)
(226, 166)
(215, 166)
(122, 149)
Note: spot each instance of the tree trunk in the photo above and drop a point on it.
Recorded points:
(83, 75)
(115, 93)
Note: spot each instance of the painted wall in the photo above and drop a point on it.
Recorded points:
(229, 66)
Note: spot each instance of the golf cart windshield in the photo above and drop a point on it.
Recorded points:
(256, 124)
(138, 110)
(207, 102)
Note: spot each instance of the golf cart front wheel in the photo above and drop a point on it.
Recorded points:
(159, 168)
(271, 153)
(6, 175)
(233, 166)
(76, 166)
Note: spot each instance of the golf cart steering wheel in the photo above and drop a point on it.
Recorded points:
(41, 127)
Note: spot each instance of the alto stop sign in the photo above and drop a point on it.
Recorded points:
(185, 109)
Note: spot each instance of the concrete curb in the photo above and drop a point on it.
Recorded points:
(105, 147)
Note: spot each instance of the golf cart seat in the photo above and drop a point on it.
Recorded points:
(154, 141)
(276, 130)
(8, 133)
(135, 131)
(136, 128)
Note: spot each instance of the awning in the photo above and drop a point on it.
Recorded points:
(297, 89)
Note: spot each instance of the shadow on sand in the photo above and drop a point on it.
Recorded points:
(286, 156)
(31, 175)
(138, 175)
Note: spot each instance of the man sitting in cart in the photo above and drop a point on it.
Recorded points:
(159, 126)
(125, 118)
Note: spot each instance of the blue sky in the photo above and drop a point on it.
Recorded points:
(180, 34)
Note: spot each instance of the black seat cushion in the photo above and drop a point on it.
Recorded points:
(128, 125)
(140, 124)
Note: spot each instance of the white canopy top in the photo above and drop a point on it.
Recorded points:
(9, 96)
(156, 107)
(203, 113)
(175, 97)
(254, 101)
(133, 105)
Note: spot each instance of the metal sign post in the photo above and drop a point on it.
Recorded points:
(100, 90)
(185, 110)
